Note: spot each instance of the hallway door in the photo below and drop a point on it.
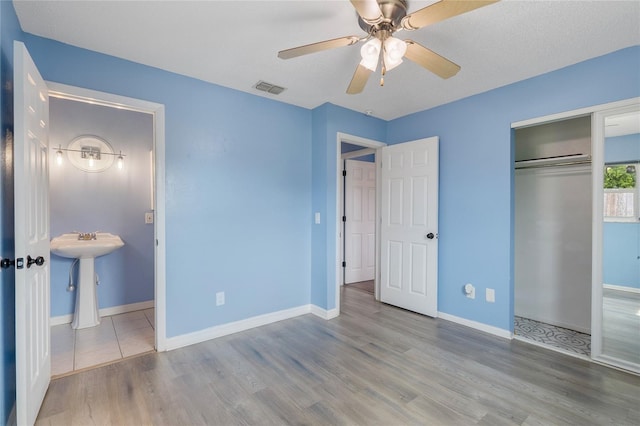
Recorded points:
(360, 223)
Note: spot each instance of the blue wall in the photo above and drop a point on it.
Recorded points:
(114, 200)
(621, 241)
(328, 120)
(476, 172)
(238, 187)
(9, 31)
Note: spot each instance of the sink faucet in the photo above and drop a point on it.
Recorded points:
(87, 236)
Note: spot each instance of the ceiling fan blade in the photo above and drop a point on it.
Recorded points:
(369, 11)
(440, 11)
(430, 60)
(359, 80)
(318, 47)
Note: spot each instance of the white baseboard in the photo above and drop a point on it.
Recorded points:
(105, 312)
(500, 332)
(621, 288)
(234, 327)
(323, 313)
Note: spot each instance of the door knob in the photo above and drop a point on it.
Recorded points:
(38, 261)
(430, 236)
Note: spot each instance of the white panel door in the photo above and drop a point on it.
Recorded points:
(360, 224)
(31, 174)
(409, 228)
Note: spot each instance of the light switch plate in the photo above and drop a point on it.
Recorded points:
(148, 217)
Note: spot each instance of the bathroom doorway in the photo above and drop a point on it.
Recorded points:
(119, 193)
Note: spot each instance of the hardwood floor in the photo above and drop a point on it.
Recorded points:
(373, 365)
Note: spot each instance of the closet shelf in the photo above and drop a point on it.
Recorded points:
(561, 160)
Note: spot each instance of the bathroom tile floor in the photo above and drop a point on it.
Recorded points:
(117, 337)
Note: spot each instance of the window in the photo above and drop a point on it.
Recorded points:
(621, 195)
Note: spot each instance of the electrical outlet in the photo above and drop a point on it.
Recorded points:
(220, 298)
(148, 217)
(491, 295)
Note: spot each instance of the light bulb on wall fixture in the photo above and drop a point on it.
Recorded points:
(91, 162)
(120, 161)
(59, 155)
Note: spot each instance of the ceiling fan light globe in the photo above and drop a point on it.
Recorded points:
(370, 51)
(390, 63)
(395, 48)
(369, 63)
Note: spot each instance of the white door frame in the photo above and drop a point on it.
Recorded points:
(365, 143)
(64, 91)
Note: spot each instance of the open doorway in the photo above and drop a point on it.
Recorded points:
(360, 253)
(121, 199)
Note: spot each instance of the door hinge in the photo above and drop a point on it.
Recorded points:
(344, 173)
(344, 218)
(344, 264)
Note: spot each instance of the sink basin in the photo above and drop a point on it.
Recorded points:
(68, 245)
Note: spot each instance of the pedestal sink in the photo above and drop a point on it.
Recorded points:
(86, 247)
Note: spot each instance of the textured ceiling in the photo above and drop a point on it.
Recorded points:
(235, 43)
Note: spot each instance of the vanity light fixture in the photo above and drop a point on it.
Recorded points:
(91, 154)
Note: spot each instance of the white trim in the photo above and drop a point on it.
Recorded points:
(105, 312)
(234, 327)
(323, 313)
(64, 91)
(621, 288)
(500, 332)
(367, 143)
(574, 113)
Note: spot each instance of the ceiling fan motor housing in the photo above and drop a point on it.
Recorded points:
(393, 12)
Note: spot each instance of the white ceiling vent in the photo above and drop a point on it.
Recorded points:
(269, 88)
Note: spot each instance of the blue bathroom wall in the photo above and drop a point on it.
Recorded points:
(328, 120)
(114, 200)
(238, 187)
(621, 241)
(9, 31)
(476, 172)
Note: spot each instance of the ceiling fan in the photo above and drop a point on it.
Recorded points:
(380, 19)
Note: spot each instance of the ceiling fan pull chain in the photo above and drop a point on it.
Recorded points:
(384, 71)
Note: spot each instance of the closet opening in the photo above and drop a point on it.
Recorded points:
(553, 235)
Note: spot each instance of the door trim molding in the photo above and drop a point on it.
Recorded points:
(64, 91)
(365, 143)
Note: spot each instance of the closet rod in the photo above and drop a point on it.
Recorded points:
(561, 160)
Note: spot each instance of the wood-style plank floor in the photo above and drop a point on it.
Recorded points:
(373, 365)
